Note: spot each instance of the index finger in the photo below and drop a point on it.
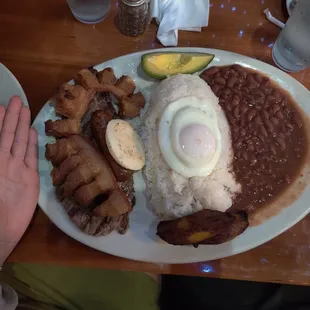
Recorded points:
(9, 124)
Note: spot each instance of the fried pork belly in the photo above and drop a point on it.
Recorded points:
(88, 80)
(60, 172)
(59, 151)
(106, 76)
(99, 123)
(86, 176)
(130, 104)
(126, 84)
(130, 107)
(62, 128)
(83, 174)
(93, 70)
(72, 101)
(114, 90)
(114, 206)
(86, 194)
(203, 227)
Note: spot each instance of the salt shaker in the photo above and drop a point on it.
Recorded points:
(133, 15)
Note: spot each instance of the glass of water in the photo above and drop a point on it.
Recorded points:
(89, 11)
(291, 51)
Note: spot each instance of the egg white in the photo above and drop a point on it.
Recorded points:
(177, 115)
(125, 145)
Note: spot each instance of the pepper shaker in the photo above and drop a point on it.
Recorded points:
(133, 15)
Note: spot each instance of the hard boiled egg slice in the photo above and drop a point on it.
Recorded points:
(189, 137)
(125, 145)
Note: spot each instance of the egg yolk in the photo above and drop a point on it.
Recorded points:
(197, 141)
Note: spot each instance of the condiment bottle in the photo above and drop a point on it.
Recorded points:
(133, 15)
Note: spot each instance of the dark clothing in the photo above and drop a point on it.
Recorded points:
(192, 293)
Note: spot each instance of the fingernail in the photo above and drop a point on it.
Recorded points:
(16, 97)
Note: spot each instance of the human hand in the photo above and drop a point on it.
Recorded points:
(19, 178)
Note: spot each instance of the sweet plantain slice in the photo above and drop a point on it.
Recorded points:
(203, 227)
(160, 65)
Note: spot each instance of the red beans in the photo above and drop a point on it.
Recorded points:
(242, 132)
(290, 126)
(259, 102)
(244, 108)
(231, 81)
(215, 88)
(267, 132)
(269, 125)
(211, 71)
(280, 115)
(257, 120)
(274, 120)
(263, 130)
(226, 91)
(297, 119)
(238, 68)
(251, 81)
(253, 160)
(220, 81)
(277, 95)
(259, 78)
(235, 101)
(281, 142)
(257, 91)
(273, 149)
(275, 108)
(265, 114)
(251, 114)
(266, 90)
(243, 74)
(236, 111)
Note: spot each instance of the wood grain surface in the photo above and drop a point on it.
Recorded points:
(43, 45)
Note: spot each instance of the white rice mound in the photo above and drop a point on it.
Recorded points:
(169, 194)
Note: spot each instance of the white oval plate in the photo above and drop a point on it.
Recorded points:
(9, 86)
(140, 242)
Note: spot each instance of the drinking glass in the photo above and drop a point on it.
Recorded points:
(291, 51)
(89, 11)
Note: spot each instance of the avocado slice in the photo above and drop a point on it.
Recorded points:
(160, 65)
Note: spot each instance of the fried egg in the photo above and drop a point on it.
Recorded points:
(189, 137)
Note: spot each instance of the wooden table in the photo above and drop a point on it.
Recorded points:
(44, 46)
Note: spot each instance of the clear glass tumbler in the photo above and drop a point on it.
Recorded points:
(89, 11)
(291, 51)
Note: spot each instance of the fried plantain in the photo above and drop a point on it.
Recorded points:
(203, 227)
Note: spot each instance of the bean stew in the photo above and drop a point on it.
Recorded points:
(267, 130)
